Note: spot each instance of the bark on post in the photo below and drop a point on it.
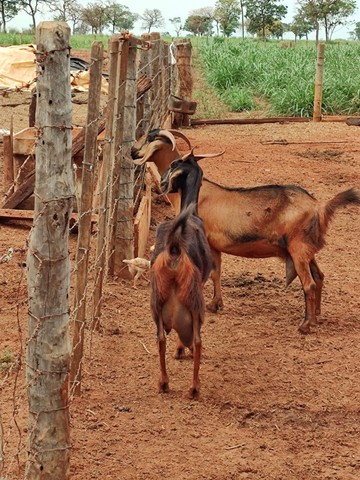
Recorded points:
(319, 82)
(8, 165)
(155, 73)
(124, 247)
(85, 211)
(143, 110)
(115, 167)
(104, 185)
(48, 351)
(183, 63)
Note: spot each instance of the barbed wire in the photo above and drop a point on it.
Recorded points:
(15, 377)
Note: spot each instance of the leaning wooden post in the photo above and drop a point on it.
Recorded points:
(124, 246)
(85, 211)
(105, 178)
(48, 274)
(319, 82)
(183, 62)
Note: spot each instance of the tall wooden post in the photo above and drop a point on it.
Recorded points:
(104, 180)
(85, 212)
(155, 79)
(48, 351)
(183, 63)
(124, 246)
(143, 107)
(319, 82)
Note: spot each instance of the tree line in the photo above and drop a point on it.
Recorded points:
(262, 18)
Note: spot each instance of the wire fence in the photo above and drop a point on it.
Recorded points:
(56, 279)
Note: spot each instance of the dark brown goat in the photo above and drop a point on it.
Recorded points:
(282, 221)
(181, 263)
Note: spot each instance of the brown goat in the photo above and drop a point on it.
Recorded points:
(181, 263)
(282, 221)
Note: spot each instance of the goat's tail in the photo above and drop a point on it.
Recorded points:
(174, 263)
(347, 197)
(175, 240)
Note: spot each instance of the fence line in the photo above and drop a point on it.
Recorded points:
(141, 78)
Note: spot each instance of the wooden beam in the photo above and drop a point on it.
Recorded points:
(249, 121)
(29, 215)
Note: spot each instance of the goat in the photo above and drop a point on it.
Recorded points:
(282, 221)
(181, 264)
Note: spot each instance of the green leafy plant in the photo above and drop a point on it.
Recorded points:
(7, 360)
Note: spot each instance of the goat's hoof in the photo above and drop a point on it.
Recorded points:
(214, 307)
(179, 353)
(304, 329)
(194, 393)
(163, 387)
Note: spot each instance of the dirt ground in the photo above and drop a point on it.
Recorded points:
(274, 404)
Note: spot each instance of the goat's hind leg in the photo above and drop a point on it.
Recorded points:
(309, 286)
(161, 339)
(318, 277)
(194, 391)
(217, 302)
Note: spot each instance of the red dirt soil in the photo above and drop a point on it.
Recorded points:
(274, 404)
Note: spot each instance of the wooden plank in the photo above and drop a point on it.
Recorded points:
(141, 227)
(26, 189)
(29, 215)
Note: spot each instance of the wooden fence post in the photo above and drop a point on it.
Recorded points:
(116, 163)
(104, 185)
(124, 247)
(183, 62)
(319, 82)
(48, 350)
(155, 79)
(143, 108)
(85, 212)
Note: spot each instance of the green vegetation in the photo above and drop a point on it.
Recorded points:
(77, 41)
(284, 78)
(7, 360)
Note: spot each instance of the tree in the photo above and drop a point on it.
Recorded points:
(227, 13)
(95, 15)
(120, 17)
(177, 24)
(356, 32)
(32, 7)
(329, 13)
(262, 14)
(8, 10)
(198, 25)
(301, 27)
(200, 21)
(75, 17)
(152, 18)
(242, 14)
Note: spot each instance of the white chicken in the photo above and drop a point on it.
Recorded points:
(137, 268)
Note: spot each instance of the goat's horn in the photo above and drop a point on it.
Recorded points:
(187, 155)
(169, 135)
(208, 155)
(176, 133)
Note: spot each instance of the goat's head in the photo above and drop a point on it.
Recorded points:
(184, 175)
(159, 147)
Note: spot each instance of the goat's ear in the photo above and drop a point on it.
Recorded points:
(208, 155)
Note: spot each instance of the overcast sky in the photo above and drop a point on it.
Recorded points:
(171, 9)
